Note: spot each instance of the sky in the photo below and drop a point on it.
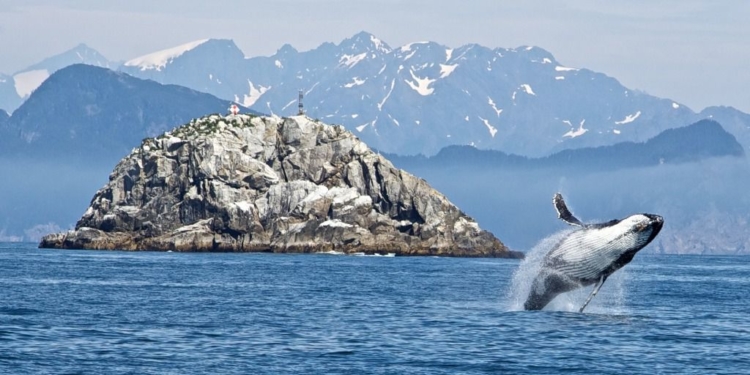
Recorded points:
(694, 52)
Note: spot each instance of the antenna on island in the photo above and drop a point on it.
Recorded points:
(301, 110)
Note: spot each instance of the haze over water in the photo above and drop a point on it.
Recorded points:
(161, 313)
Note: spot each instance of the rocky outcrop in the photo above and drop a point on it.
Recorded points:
(244, 183)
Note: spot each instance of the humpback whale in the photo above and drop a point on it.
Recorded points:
(589, 254)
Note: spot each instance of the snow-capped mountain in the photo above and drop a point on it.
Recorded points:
(17, 88)
(423, 96)
(92, 114)
(204, 65)
(415, 98)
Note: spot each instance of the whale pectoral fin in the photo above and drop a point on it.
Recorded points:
(562, 211)
(593, 292)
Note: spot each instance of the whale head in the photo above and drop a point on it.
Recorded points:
(641, 228)
(635, 232)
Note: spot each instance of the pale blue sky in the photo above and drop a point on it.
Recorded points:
(695, 52)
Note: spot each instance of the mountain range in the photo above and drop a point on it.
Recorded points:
(625, 151)
(83, 110)
(60, 146)
(699, 141)
(421, 97)
(16, 88)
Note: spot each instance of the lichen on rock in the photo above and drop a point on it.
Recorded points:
(246, 183)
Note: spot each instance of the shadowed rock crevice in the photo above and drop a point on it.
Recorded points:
(243, 183)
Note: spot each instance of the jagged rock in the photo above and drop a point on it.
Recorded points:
(244, 183)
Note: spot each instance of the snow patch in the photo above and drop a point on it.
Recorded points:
(351, 60)
(27, 82)
(356, 82)
(546, 60)
(491, 128)
(629, 118)
(616, 131)
(311, 88)
(379, 45)
(446, 70)
(527, 89)
(564, 69)
(288, 104)
(578, 132)
(422, 85)
(380, 105)
(407, 47)
(448, 54)
(255, 94)
(278, 64)
(675, 105)
(559, 78)
(160, 59)
(494, 106)
(362, 127)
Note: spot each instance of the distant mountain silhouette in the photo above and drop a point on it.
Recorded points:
(17, 88)
(93, 114)
(701, 140)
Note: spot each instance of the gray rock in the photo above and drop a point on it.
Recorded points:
(243, 183)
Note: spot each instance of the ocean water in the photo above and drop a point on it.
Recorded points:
(96, 312)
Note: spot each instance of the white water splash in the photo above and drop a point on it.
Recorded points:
(609, 301)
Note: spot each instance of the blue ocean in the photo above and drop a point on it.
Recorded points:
(97, 312)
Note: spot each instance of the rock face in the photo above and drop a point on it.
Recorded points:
(244, 183)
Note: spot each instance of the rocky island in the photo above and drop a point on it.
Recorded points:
(271, 184)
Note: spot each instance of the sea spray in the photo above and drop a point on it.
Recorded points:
(609, 300)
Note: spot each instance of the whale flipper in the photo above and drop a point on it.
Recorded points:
(562, 211)
(593, 292)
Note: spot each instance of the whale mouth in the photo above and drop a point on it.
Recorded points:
(656, 222)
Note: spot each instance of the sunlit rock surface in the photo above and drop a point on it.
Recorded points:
(243, 183)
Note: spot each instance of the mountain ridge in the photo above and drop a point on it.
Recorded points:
(83, 110)
(698, 141)
(422, 96)
(16, 88)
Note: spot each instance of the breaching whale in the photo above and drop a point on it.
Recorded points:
(589, 254)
